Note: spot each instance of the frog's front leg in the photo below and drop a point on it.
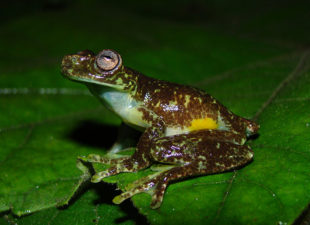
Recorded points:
(139, 160)
(192, 155)
(126, 138)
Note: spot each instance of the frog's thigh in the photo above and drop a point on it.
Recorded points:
(215, 157)
(210, 155)
(172, 149)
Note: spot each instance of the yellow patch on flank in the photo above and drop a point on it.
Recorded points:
(200, 124)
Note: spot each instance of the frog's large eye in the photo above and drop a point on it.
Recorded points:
(108, 61)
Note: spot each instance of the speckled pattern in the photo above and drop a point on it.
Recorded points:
(183, 127)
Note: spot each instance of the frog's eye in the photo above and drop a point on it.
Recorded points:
(108, 61)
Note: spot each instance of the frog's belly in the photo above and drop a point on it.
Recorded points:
(133, 117)
(126, 107)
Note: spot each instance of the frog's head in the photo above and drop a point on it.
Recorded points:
(105, 69)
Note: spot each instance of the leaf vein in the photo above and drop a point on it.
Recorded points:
(253, 65)
(53, 217)
(295, 73)
(23, 143)
(269, 190)
(226, 193)
(303, 154)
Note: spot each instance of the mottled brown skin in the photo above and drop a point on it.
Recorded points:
(167, 113)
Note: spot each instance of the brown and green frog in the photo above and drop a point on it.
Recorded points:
(185, 129)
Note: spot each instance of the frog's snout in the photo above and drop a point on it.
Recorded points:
(76, 59)
(65, 61)
(66, 64)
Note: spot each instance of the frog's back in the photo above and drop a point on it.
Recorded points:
(183, 108)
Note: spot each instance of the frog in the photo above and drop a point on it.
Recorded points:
(185, 132)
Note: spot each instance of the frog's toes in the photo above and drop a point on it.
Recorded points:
(152, 187)
(96, 158)
(96, 179)
(99, 176)
(106, 159)
(91, 158)
(119, 199)
(137, 183)
(83, 158)
(156, 203)
(158, 196)
(147, 179)
(128, 194)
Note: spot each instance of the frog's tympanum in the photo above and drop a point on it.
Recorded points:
(184, 129)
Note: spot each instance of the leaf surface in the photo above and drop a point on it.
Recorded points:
(257, 67)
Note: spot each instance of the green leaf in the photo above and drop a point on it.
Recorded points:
(256, 66)
(92, 207)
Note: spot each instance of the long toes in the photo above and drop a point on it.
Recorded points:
(97, 158)
(120, 198)
(83, 158)
(96, 179)
(128, 194)
(106, 159)
(99, 176)
(137, 183)
(93, 157)
(156, 201)
(158, 196)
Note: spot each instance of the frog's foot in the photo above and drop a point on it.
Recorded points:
(106, 173)
(113, 170)
(159, 169)
(121, 165)
(152, 185)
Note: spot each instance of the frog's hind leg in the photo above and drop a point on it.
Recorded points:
(189, 159)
